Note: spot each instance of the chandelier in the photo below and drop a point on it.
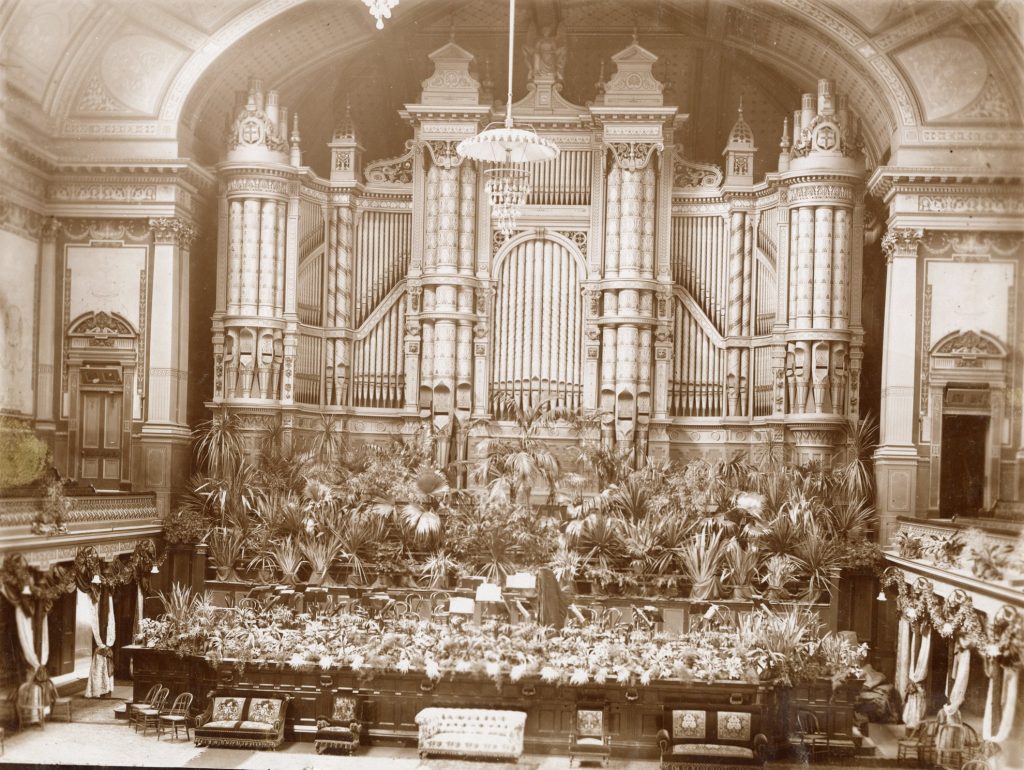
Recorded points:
(380, 10)
(509, 150)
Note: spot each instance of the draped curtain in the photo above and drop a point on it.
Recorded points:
(916, 705)
(101, 668)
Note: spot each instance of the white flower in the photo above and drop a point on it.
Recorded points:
(946, 630)
(645, 677)
(991, 650)
(579, 676)
(910, 613)
(462, 666)
(297, 660)
(404, 665)
(517, 672)
(549, 674)
(601, 675)
(750, 502)
(326, 662)
(432, 670)
(493, 669)
(622, 674)
(358, 661)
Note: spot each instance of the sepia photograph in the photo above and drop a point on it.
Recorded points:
(494, 384)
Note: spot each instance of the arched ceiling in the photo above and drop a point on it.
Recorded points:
(159, 75)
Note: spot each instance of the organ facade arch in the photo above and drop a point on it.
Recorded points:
(631, 291)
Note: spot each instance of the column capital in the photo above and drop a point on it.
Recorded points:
(633, 156)
(172, 230)
(49, 229)
(901, 242)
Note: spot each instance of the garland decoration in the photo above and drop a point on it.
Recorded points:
(1000, 639)
(47, 586)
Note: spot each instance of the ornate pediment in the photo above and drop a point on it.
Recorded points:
(633, 84)
(451, 84)
(101, 324)
(970, 344)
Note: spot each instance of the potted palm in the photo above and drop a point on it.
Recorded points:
(740, 569)
(439, 569)
(701, 558)
(288, 558)
(319, 552)
(777, 572)
(225, 549)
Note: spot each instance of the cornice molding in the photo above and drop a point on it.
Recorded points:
(885, 180)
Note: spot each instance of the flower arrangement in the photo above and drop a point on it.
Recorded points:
(576, 655)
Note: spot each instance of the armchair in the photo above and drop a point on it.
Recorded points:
(340, 730)
(589, 739)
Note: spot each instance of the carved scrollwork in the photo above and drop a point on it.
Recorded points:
(634, 156)
(691, 175)
(969, 343)
(392, 171)
(443, 152)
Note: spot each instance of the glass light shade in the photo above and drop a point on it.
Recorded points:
(507, 190)
(26, 591)
(880, 597)
(380, 10)
(507, 145)
(155, 570)
(95, 580)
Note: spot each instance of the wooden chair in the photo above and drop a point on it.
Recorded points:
(814, 741)
(150, 715)
(955, 743)
(920, 742)
(58, 702)
(976, 764)
(147, 700)
(178, 715)
(589, 739)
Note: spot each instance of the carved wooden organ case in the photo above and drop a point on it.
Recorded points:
(687, 306)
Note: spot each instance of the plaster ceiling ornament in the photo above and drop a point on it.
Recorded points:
(380, 10)
(511, 150)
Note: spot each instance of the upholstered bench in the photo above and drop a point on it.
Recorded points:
(471, 732)
(240, 721)
(698, 738)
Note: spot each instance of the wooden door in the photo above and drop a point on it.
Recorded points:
(61, 622)
(101, 439)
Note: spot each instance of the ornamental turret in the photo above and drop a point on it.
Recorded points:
(739, 153)
(346, 152)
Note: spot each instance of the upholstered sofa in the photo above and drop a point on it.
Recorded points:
(242, 721)
(459, 732)
(729, 737)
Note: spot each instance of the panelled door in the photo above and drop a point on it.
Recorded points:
(101, 438)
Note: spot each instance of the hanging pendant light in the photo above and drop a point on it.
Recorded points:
(380, 10)
(510, 150)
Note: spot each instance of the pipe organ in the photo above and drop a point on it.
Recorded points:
(688, 307)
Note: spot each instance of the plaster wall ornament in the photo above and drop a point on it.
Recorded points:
(397, 172)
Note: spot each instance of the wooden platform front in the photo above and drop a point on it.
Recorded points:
(393, 700)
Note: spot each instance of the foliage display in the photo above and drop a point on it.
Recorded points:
(23, 457)
(764, 646)
(321, 513)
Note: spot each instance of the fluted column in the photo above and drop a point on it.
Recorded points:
(47, 328)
